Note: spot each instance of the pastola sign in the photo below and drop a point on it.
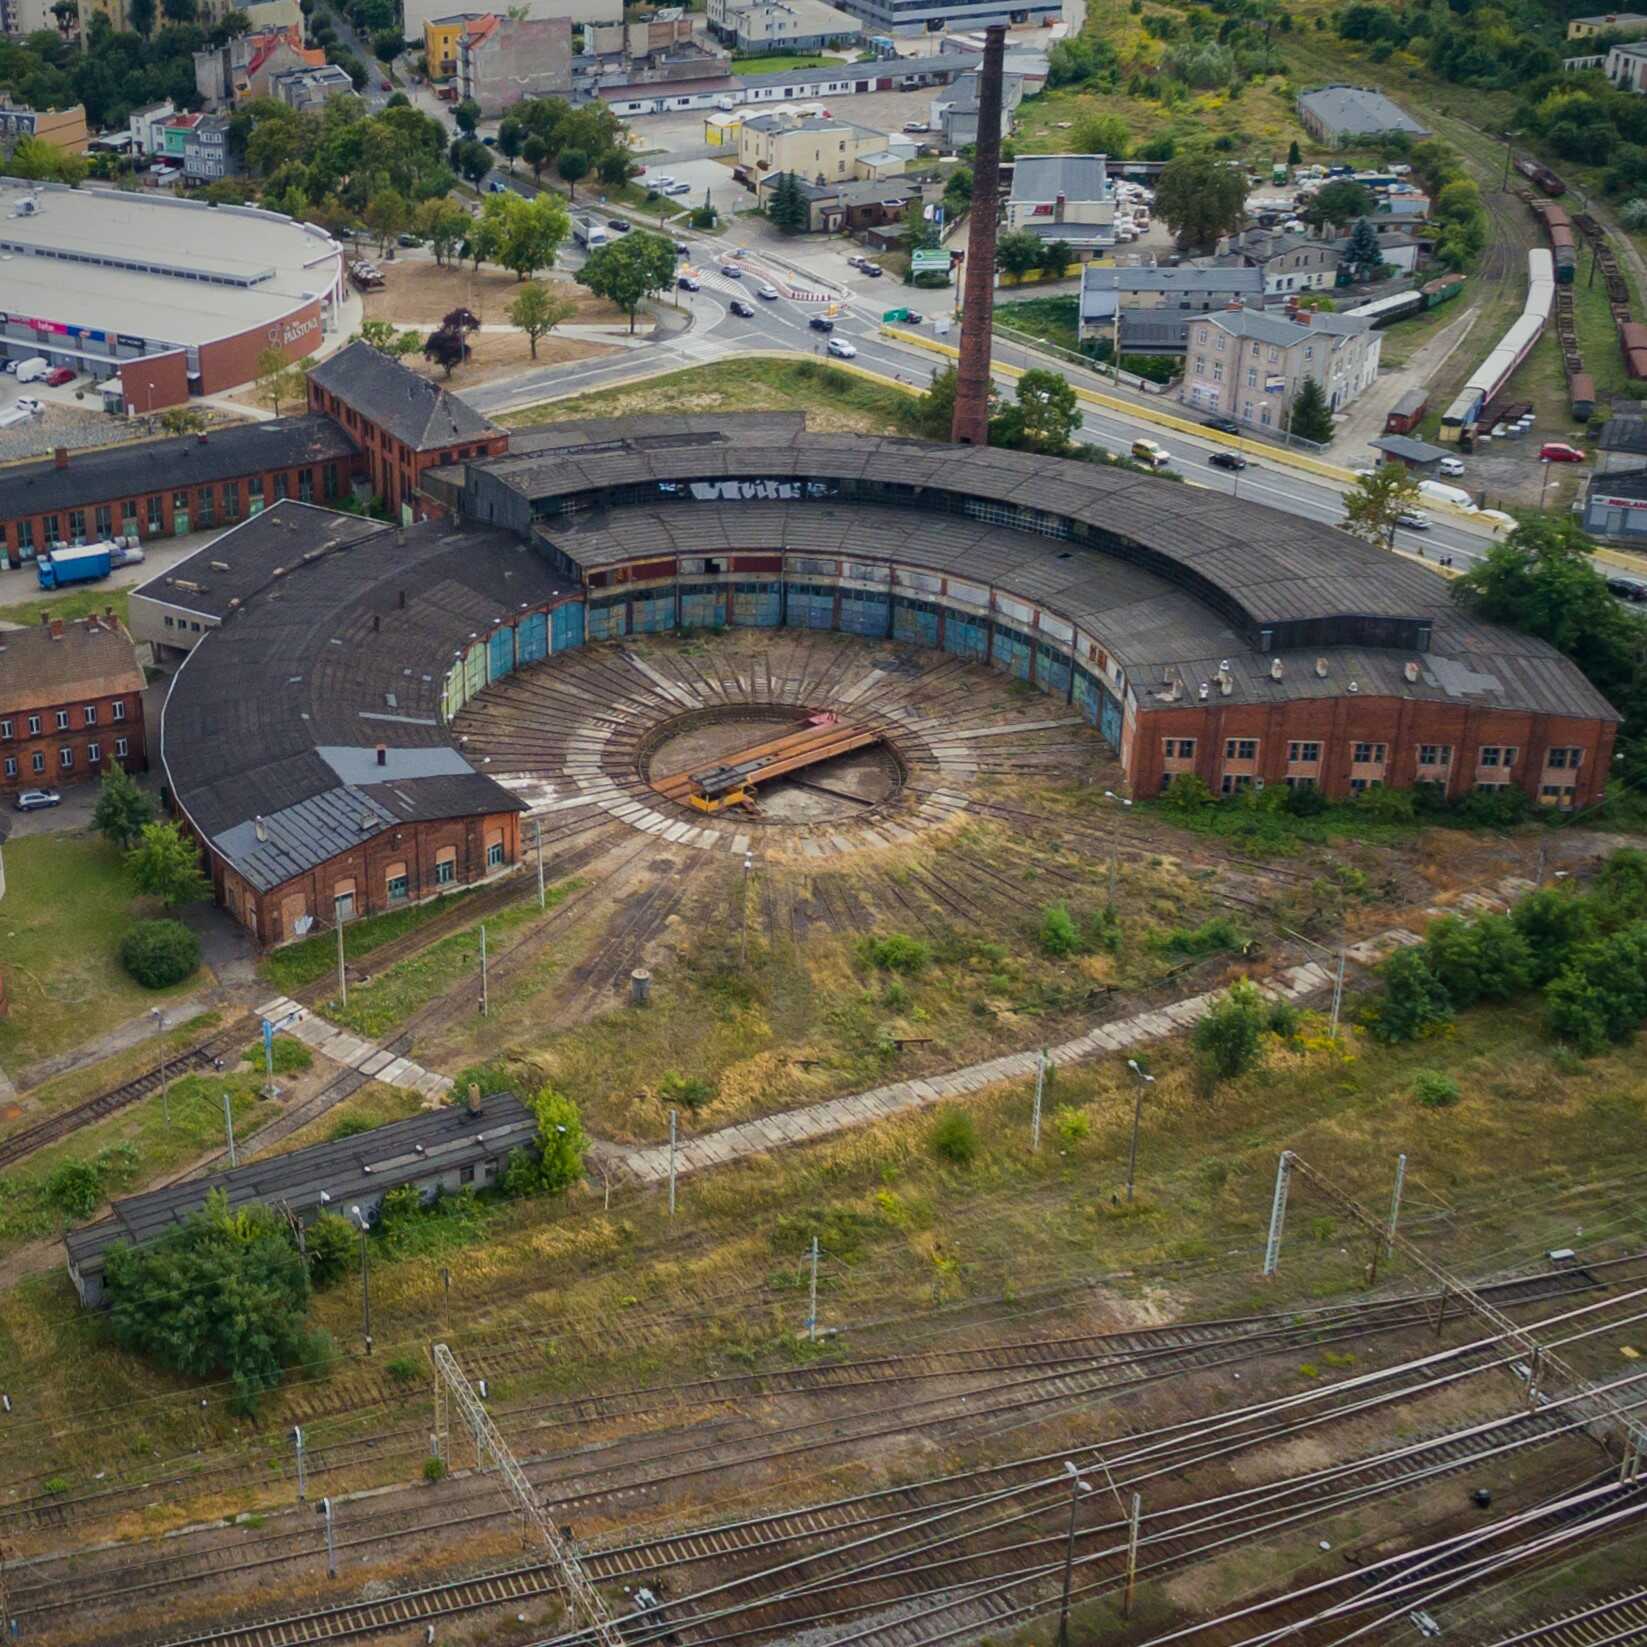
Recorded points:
(293, 330)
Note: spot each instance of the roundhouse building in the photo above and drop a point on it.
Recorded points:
(306, 737)
(174, 297)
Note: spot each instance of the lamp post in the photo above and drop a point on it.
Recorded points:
(1144, 1080)
(365, 1279)
(1114, 839)
(1543, 485)
(1077, 1486)
(165, 1084)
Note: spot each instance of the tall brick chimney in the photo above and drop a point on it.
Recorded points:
(970, 426)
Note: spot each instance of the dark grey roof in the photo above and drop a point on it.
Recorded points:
(109, 472)
(1188, 278)
(410, 406)
(277, 714)
(1624, 434)
(1404, 446)
(1359, 110)
(366, 1164)
(1269, 326)
(1618, 483)
(1047, 176)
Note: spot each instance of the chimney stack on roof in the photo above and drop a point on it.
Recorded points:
(57, 629)
(260, 827)
(474, 1098)
(383, 754)
(60, 457)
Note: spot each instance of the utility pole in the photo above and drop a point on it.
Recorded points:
(365, 1280)
(743, 912)
(537, 833)
(342, 974)
(445, 1301)
(1132, 1555)
(674, 1115)
(483, 1002)
(228, 1126)
(1114, 840)
(1338, 988)
(1144, 1080)
(1040, 1089)
(297, 1440)
(1076, 1487)
(1278, 1213)
(331, 1547)
(165, 1082)
(812, 1296)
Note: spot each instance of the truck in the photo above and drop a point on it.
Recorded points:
(589, 233)
(85, 563)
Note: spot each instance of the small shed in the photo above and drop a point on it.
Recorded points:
(1407, 413)
(1417, 455)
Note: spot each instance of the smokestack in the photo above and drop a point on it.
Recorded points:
(971, 422)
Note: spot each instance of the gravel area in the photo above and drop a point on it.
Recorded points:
(61, 426)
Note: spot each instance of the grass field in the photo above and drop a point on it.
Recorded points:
(295, 965)
(834, 401)
(1053, 319)
(777, 64)
(67, 904)
(67, 604)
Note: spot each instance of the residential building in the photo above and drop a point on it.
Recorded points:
(1291, 262)
(440, 1151)
(850, 206)
(404, 423)
(1156, 304)
(417, 14)
(1627, 66)
(440, 41)
(1350, 114)
(1065, 197)
(246, 65)
(207, 155)
(307, 90)
(666, 27)
(147, 127)
(62, 128)
(502, 60)
(781, 25)
(1249, 365)
(174, 135)
(819, 149)
(954, 111)
(167, 488)
(1630, 23)
(71, 703)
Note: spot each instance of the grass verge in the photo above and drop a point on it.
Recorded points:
(68, 604)
(296, 965)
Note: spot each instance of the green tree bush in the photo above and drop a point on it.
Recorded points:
(955, 1138)
(75, 1188)
(898, 952)
(1228, 1041)
(1413, 1002)
(1481, 959)
(1434, 1090)
(122, 808)
(555, 1160)
(329, 1240)
(165, 864)
(159, 954)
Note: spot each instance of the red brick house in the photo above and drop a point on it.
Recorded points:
(71, 704)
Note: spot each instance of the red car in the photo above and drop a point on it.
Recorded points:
(1552, 451)
(58, 376)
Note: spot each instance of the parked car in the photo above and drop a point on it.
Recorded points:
(856, 261)
(690, 283)
(409, 240)
(1450, 466)
(490, 142)
(839, 347)
(1227, 460)
(739, 307)
(619, 225)
(58, 376)
(10, 367)
(770, 293)
(660, 182)
(1224, 425)
(28, 403)
(1556, 451)
(873, 270)
(732, 271)
(37, 800)
(916, 126)
(821, 323)
(1415, 520)
(675, 188)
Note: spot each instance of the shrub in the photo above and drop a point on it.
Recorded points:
(954, 1138)
(399, 1205)
(1434, 1090)
(75, 1188)
(1414, 1002)
(1207, 939)
(1228, 1039)
(434, 1469)
(897, 952)
(330, 1243)
(687, 1091)
(1554, 924)
(404, 1369)
(351, 1126)
(159, 954)
(1284, 1020)
(489, 1078)
(554, 1162)
(1187, 793)
(1058, 934)
(289, 1056)
(1483, 959)
(1071, 1124)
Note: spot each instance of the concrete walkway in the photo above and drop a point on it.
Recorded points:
(354, 1053)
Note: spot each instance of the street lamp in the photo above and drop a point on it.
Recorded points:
(165, 1085)
(1077, 1486)
(1543, 485)
(1144, 1080)
(365, 1279)
(1114, 839)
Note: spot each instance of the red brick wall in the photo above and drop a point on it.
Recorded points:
(1403, 725)
(233, 360)
(156, 382)
(418, 846)
(22, 746)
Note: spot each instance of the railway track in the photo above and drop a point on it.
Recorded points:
(1619, 1621)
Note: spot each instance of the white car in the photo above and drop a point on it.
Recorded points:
(1450, 466)
(676, 188)
(770, 293)
(27, 403)
(660, 182)
(839, 347)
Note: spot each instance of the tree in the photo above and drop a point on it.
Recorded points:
(1363, 256)
(526, 234)
(122, 808)
(614, 168)
(1337, 203)
(1553, 923)
(1043, 416)
(1017, 252)
(625, 271)
(443, 223)
(1482, 959)
(554, 1162)
(224, 1293)
(1310, 417)
(276, 380)
(1105, 134)
(381, 334)
(329, 1241)
(1413, 1002)
(536, 153)
(387, 45)
(387, 214)
(1200, 198)
(572, 164)
(473, 160)
(165, 864)
(141, 14)
(786, 206)
(179, 11)
(1373, 504)
(1228, 1039)
(1295, 155)
(159, 954)
(448, 345)
(537, 311)
(466, 116)
(1056, 257)
(511, 140)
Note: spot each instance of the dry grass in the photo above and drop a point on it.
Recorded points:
(419, 291)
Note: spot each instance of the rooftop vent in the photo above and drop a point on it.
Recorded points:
(1411, 671)
(366, 822)
(261, 828)
(1204, 690)
(1321, 667)
(1277, 669)
(1352, 687)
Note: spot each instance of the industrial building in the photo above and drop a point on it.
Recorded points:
(1338, 114)
(441, 1151)
(176, 298)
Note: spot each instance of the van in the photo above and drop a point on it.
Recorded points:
(33, 369)
(1435, 492)
(1146, 451)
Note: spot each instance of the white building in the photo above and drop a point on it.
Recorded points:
(146, 127)
(1065, 197)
